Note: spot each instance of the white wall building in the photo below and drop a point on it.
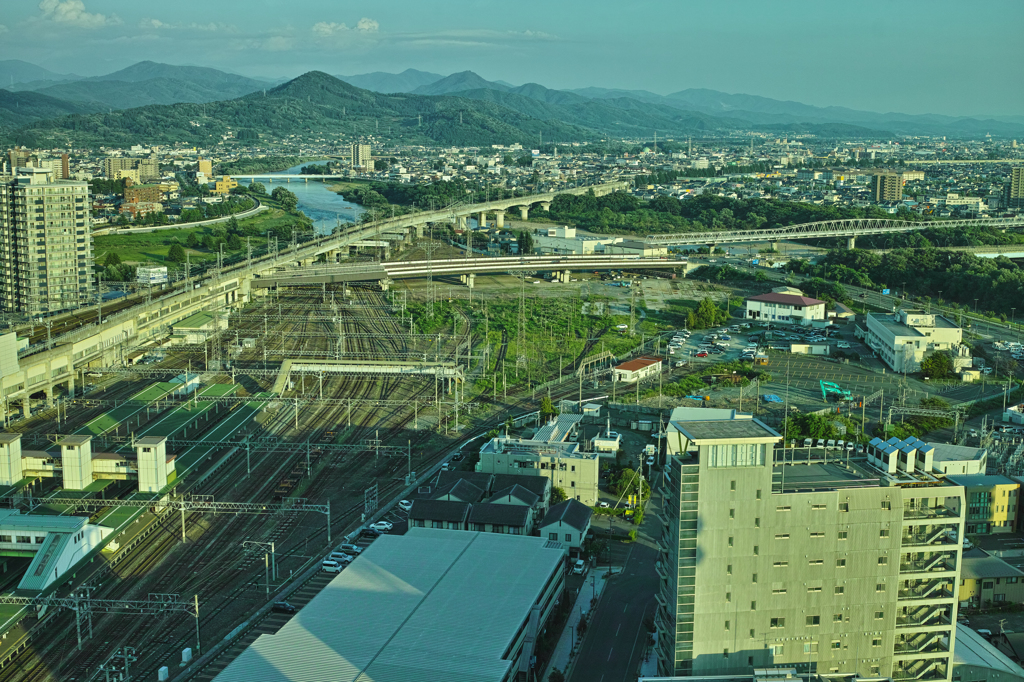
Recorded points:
(903, 339)
(775, 307)
(637, 369)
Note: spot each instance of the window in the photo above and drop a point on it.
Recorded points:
(777, 623)
(814, 588)
(813, 620)
(879, 615)
(875, 669)
(836, 644)
(782, 536)
(817, 535)
(40, 539)
(883, 560)
(840, 589)
(753, 578)
(728, 569)
(782, 509)
(842, 535)
(880, 587)
(987, 585)
(781, 564)
(757, 523)
(568, 537)
(728, 597)
(753, 635)
(732, 513)
(837, 618)
(778, 590)
(1012, 579)
(757, 550)
(753, 606)
(24, 539)
(758, 495)
(732, 485)
(876, 641)
(810, 647)
(884, 533)
(553, 536)
(886, 505)
(844, 506)
(725, 653)
(778, 650)
(817, 507)
(5, 538)
(726, 625)
(815, 562)
(999, 597)
(730, 541)
(840, 563)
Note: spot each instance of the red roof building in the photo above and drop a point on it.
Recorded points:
(638, 369)
(775, 307)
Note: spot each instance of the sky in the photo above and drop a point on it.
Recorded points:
(911, 56)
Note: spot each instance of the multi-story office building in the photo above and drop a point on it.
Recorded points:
(820, 567)
(904, 338)
(1015, 189)
(888, 187)
(361, 156)
(45, 243)
(149, 169)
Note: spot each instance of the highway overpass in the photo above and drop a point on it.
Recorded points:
(383, 272)
(849, 229)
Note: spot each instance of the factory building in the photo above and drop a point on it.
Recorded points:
(431, 605)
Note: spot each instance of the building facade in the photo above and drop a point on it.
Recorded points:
(887, 187)
(573, 471)
(637, 369)
(815, 567)
(362, 156)
(775, 307)
(148, 169)
(45, 243)
(903, 339)
(991, 503)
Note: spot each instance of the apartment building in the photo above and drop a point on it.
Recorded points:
(361, 156)
(820, 567)
(45, 243)
(887, 187)
(149, 169)
(1015, 189)
(991, 503)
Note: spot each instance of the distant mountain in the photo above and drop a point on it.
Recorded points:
(152, 83)
(14, 71)
(313, 101)
(459, 82)
(380, 81)
(21, 108)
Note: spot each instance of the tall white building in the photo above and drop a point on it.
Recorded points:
(45, 243)
(826, 567)
(903, 339)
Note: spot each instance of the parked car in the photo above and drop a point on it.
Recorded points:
(369, 533)
(820, 443)
(808, 442)
(341, 558)
(702, 354)
(842, 344)
(330, 566)
(283, 607)
(831, 444)
(849, 446)
(350, 549)
(405, 505)
(382, 526)
(579, 567)
(650, 461)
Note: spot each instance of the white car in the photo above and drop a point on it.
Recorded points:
(381, 526)
(842, 344)
(330, 566)
(579, 567)
(405, 505)
(650, 461)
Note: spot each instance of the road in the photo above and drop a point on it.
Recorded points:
(616, 639)
(177, 226)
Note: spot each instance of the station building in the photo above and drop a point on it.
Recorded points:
(637, 369)
(817, 567)
(430, 605)
(55, 544)
(903, 339)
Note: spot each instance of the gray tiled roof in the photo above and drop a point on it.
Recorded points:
(439, 510)
(570, 512)
(461, 489)
(538, 485)
(501, 514)
(517, 492)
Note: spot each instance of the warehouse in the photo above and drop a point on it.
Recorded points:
(431, 605)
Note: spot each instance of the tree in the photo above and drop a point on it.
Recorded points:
(629, 484)
(192, 241)
(546, 408)
(525, 241)
(556, 675)
(176, 254)
(234, 243)
(558, 495)
(112, 259)
(937, 365)
(258, 188)
(287, 199)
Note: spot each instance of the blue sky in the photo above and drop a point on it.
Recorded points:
(912, 56)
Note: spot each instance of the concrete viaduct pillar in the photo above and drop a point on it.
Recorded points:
(851, 242)
(419, 231)
(546, 205)
(71, 386)
(524, 212)
(481, 220)
(26, 410)
(462, 222)
(499, 219)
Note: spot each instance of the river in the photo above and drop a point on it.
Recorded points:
(320, 204)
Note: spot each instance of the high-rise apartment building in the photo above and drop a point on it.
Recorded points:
(888, 187)
(361, 156)
(149, 169)
(846, 565)
(204, 166)
(1015, 189)
(45, 243)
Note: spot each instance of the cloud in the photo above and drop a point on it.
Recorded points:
(158, 25)
(72, 13)
(325, 29)
(367, 25)
(3, 29)
(474, 37)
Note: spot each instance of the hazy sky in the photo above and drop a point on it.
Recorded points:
(914, 56)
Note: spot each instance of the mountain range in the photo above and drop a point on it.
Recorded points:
(531, 110)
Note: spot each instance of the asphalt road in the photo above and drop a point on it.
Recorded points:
(615, 638)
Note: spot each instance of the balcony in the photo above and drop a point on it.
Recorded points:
(936, 563)
(922, 670)
(915, 513)
(928, 538)
(926, 616)
(936, 589)
(926, 643)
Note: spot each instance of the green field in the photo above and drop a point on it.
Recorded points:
(152, 247)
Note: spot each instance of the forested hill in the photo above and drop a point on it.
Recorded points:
(312, 103)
